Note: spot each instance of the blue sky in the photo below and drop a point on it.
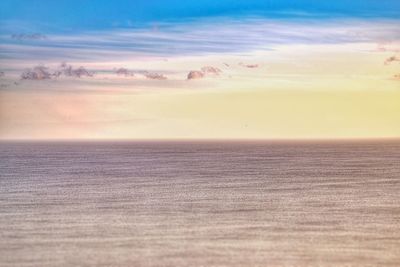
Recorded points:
(89, 30)
(78, 15)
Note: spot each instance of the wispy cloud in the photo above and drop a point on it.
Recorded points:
(200, 38)
(250, 66)
(195, 50)
(33, 36)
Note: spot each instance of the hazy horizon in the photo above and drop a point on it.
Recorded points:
(266, 140)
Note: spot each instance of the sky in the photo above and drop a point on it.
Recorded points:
(289, 69)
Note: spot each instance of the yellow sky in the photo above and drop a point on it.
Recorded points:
(309, 91)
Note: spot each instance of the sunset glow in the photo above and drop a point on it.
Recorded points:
(281, 74)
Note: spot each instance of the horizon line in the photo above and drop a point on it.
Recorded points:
(195, 140)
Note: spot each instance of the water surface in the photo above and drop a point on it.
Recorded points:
(200, 204)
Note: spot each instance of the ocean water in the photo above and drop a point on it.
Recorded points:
(200, 204)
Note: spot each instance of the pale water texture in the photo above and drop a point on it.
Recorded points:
(200, 204)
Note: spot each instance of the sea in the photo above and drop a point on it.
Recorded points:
(200, 203)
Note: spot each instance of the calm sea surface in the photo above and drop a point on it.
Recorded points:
(200, 204)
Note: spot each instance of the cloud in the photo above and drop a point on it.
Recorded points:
(154, 76)
(200, 37)
(36, 73)
(210, 70)
(124, 72)
(1, 74)
(387, 47)
(391, 59)
(34, 36)
(250, 66)
(43, 73)
(195, 74)
(204, 71)
(69, 71)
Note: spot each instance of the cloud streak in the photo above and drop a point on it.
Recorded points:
(33, 36)
(200, 38)
(176, 51)
(250, 66)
